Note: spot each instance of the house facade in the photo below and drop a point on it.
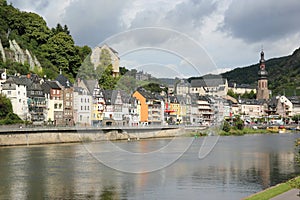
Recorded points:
(54, 99)
(15, 89)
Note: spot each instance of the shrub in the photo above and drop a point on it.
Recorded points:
(226, 126)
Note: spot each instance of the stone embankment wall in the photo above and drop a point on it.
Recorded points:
(10, 139)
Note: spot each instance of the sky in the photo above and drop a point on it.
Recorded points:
(180, 38)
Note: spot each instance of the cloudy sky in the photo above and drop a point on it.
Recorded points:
(178, 37)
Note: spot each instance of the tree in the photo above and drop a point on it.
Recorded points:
(107, 81)
(61, 52)
(296, 118)
(153, 87)
(231, 93)
(5, 106)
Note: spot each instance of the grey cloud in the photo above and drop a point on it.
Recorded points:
(35, 4)
(91, 22)
(185, 17)
(256, 21)
(190, 13)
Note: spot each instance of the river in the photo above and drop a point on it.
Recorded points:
(235, 168)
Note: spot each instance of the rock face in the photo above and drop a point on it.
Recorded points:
(17, 54)
(2, 52)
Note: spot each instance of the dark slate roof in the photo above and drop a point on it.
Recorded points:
(64, 81)
(146, 94)
(294, 99)
(48, 85)
(208, 82)
(91, 85)
(109, 96)
(203, 98)
(173, 99)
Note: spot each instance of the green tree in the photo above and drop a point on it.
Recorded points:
(231, 93)
(107, 81)
(296, 118)
(61, 52)
(226, 126)
(153, 87)
(5, 106)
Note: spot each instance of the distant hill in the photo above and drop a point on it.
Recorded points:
(284, 74)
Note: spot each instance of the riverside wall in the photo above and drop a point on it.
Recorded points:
(56, 136)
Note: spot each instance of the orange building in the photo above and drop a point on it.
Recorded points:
(149, 107)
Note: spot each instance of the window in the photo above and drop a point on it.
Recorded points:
(8, 92)
(19, 92)
(19, 100)
(81, 100)
(54, 91)
(55, 106)
(80, 118)
(60, 105)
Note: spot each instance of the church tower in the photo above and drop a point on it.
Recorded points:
(262, 83)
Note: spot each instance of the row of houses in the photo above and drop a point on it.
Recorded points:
(61, 103)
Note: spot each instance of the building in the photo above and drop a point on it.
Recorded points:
(3, 77)
(183, 87)
(82, 107)
(205, 110)
(241, 88)
(67, 89)
(262, 83)
(113, 114)
(16, 90)
(54, 99)
(37, 104)
(295, 100)
(252, 108)
(115, 60)
(211, 85)
(98, 102)
(149, 107)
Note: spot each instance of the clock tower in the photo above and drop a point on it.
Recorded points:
(262, 83)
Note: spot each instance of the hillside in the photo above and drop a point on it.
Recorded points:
(53, 48)
(284, 74)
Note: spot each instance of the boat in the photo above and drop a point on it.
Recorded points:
(273, 129)
(281, 129)
(276, 129)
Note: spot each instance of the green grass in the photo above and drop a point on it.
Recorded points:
(276, 190)
(234, 131)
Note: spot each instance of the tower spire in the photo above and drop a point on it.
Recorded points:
(262, 84)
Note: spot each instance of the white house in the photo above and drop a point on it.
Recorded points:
(15, 89)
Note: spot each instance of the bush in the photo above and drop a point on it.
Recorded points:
(226, 126)
(11, 118)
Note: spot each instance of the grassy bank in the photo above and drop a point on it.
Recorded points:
(276, 190)
(244, 131)
(232, 131)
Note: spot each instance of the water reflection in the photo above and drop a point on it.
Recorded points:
(237, 167)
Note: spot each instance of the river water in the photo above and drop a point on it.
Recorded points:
(235, 168)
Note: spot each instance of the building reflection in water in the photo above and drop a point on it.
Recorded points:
(236, 166)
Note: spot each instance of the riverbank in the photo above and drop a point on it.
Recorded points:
(276, 190)
(37, 136)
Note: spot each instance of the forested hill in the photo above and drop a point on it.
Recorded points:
(53, 47)
(284, 74)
